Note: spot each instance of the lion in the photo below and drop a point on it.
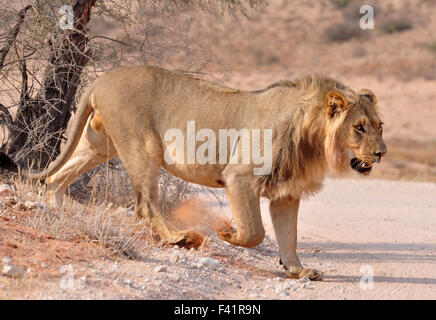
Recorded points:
(318, 124)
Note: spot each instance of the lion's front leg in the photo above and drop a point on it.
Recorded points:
(284, 215)
(245, 204)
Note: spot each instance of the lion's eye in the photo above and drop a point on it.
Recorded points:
(360, 128)
(380, 126)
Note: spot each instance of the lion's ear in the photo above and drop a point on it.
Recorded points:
(368, 95)
(335, 102)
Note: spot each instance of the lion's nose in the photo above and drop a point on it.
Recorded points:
(379, 154)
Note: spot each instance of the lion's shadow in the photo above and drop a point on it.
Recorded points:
(379, 279)
(379, 251)
(367, 253)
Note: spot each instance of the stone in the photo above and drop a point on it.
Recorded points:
(6, 260)
(308, 286)
(32, 205)
(13, 271)
(6, 189)
(174, 258)
(175, 277)
(128, 282)
(209, 262)
(160, 269)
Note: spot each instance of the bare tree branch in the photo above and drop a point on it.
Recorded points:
(13, 35)
(41, 78)
(5, 115)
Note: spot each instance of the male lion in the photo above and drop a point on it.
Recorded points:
(318, 123)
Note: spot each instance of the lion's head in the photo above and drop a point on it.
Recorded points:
(329, 125)
(356, 129)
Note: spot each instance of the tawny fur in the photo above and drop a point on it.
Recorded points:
(314, 120)
(308, 142)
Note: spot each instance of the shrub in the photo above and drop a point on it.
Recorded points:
(397, 25)
(341, 3)
(343, 31)
(431, 46)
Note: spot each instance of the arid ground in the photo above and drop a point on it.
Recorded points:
(380, 227)
(354, 231)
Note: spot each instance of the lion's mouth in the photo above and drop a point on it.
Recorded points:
(361, 166)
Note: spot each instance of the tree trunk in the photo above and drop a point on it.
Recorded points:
(41, 121)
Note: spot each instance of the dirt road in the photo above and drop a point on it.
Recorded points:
(385, 226)
(381, 230)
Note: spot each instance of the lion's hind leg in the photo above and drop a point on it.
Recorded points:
(94, 147)
(143, 169)
(147, 207)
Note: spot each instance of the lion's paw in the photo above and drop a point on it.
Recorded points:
(312, 274)
(188, 239)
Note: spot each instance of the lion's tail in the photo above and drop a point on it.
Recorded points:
(84, 109)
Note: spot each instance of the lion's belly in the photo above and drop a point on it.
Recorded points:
(205, 175)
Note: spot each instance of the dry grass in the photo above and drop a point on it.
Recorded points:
(114, 230)
(104, 216)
